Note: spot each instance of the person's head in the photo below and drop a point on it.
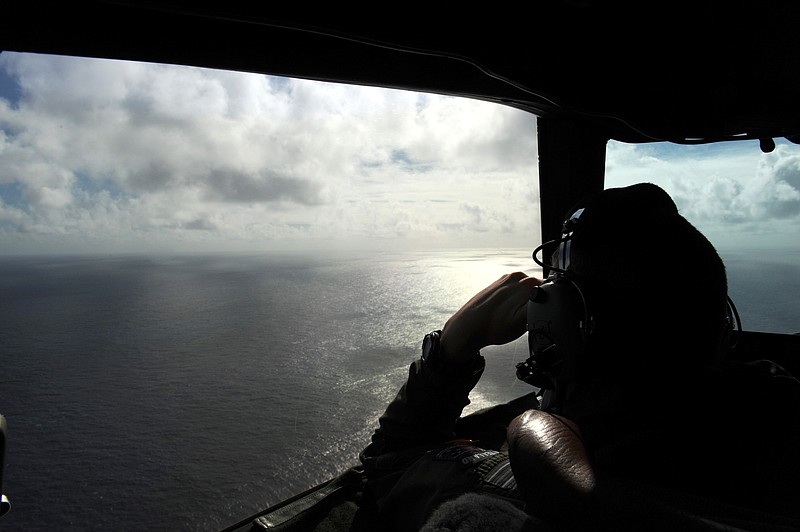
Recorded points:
(655, 286)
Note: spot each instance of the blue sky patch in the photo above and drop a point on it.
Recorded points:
(12, 194)
(10, 89)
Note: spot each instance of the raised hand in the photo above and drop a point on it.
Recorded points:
(494, 316)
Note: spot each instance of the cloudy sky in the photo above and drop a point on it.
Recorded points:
(102, 156)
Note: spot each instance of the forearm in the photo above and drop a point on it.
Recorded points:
(427, 407)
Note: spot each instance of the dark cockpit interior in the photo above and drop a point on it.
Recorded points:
(685, 72)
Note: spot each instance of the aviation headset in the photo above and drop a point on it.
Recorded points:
(560, 321)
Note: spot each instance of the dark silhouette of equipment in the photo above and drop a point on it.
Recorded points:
(5, 505)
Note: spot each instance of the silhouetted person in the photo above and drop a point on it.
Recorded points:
(644, 424)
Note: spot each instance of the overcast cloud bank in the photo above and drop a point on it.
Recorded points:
(120, 156)
(130, 156)
(737, 195)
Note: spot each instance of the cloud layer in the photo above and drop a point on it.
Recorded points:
(119, 155)
(733, 192)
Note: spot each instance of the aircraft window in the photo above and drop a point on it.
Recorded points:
(214, 282)
(746, 202)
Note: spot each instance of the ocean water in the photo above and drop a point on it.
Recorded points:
(186, 393)
(765, 286)
(189, 392)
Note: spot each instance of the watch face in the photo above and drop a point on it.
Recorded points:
(430, 345)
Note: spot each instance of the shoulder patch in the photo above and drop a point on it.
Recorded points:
(465, 454)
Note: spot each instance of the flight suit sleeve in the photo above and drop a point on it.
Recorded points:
(426, 408)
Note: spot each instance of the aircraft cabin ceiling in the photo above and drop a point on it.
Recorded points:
(641, 71)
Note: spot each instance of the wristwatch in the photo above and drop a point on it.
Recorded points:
(432, 349)
(433, 358)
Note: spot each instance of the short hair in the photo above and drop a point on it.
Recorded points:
(655, 285)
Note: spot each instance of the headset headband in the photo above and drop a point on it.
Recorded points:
(565, 245)
(566, 239)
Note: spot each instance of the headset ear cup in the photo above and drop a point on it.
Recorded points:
(559, 322)
(559, 326)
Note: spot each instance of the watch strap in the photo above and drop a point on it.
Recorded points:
(432, 356)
